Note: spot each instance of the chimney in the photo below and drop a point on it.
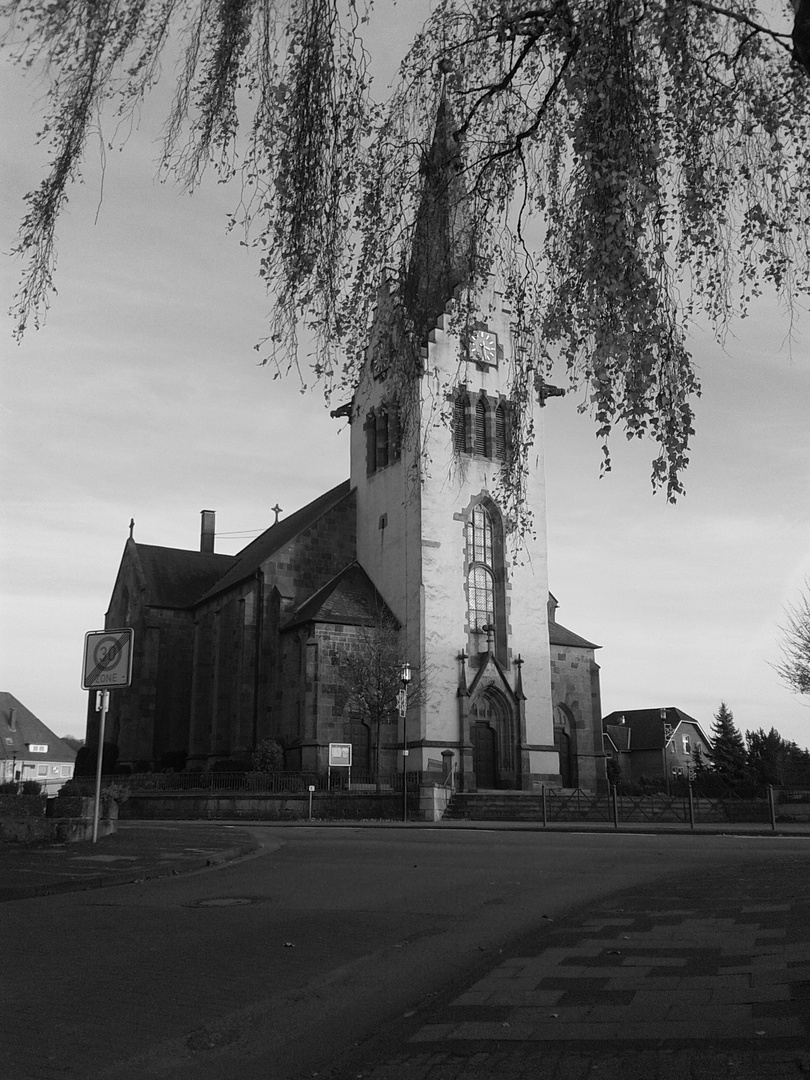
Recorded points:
(207, 531)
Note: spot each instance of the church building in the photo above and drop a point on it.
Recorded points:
(233, 650)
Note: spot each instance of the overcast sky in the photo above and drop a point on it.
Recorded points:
(142, 397)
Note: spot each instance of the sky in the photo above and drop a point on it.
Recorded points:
(143, 397)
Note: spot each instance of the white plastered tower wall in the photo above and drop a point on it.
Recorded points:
(411, 537)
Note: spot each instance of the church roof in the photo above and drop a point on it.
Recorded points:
(175, 577)
(647, 725)
(561, 635)
(349, 598)
(19, 729)
(250, 558)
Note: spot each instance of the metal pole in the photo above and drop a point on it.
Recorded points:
(105, 701)
(691, 808)
(545, 814)
(615, 807)
(404, 779)
(772, 806)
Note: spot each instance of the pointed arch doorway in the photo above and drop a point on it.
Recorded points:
(491, 736)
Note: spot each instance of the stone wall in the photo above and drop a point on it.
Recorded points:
(325, 806)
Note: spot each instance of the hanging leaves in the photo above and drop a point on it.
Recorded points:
(625, 165)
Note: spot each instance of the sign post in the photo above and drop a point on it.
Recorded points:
(340, 757)
(107, 665)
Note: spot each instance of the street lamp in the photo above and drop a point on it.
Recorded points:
(405, 675)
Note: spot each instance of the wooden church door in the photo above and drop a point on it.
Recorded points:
(485, 763)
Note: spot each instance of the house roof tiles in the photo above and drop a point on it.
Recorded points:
(20, 729)
(647, 725)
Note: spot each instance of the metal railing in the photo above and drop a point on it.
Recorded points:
(345, 781)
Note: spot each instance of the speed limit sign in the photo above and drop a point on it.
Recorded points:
(108, 659)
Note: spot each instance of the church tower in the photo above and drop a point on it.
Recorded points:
(430, 434)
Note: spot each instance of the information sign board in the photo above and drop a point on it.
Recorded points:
(340, 755)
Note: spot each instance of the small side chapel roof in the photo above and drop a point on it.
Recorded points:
(350, 598)
(561, 635)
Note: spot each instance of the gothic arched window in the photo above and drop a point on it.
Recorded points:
(480, 577)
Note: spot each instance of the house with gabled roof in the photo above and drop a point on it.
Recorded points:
(29, 750)
(231, 650)
(664, 743)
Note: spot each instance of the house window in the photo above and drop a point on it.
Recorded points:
(687, 746)
(66, 770)
(42, 770)
(38, 748)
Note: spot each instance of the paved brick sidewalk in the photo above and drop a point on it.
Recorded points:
(698, 981)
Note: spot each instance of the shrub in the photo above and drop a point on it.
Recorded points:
(268, 757)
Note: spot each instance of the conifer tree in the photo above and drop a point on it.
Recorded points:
(728, 754)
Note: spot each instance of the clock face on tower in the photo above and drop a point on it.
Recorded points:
(485, 348)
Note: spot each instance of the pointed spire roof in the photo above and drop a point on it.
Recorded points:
(441, 252)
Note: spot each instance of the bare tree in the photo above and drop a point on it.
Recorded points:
(794, 668)
(627, 164)
(370, 676)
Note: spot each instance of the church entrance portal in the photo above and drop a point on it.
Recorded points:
(485, 762)
(491, 738)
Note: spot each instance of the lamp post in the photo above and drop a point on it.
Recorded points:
(405, 676)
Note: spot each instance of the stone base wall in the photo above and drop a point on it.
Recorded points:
(325, 806)
(52, 830)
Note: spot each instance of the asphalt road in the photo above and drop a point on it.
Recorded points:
(277, 966)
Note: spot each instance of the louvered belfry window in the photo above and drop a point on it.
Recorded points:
(480, 433)
(460, 405)
(500, 432)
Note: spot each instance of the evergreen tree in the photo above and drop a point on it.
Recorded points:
(774, 760)
(728, 755)
(768, 756)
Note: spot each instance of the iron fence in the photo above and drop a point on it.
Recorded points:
(345, 781)
(690, 808)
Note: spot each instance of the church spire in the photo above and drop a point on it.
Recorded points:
(441, 253)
